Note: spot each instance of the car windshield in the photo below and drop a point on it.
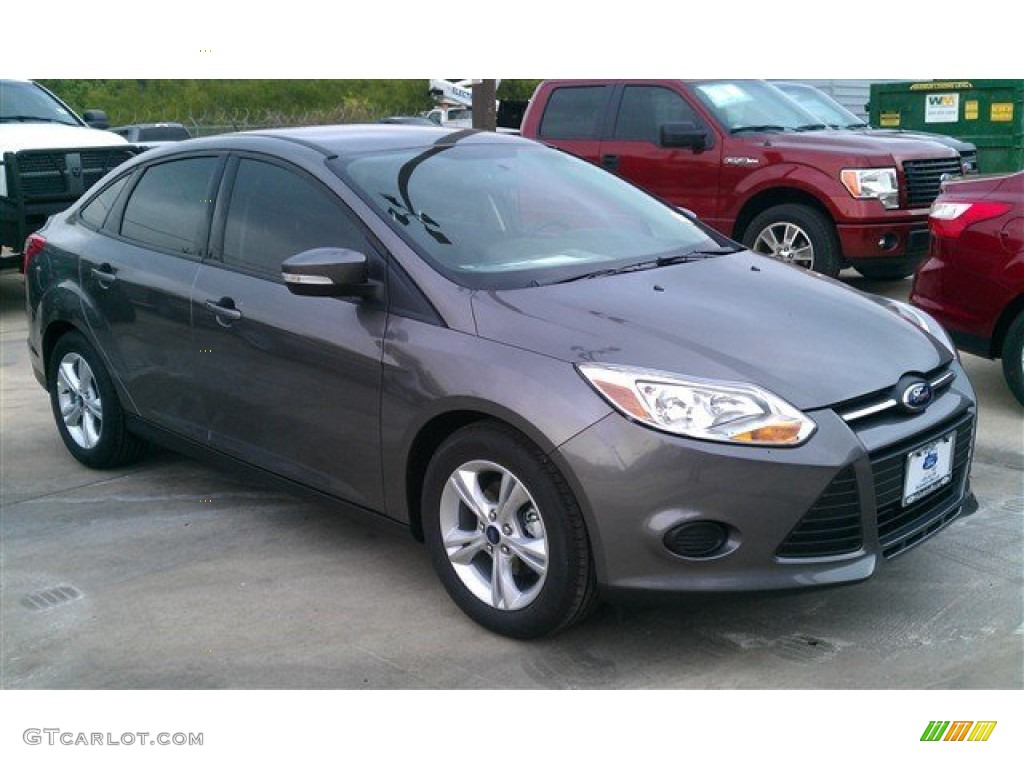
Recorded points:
(28, 103)
(754, 105)
(822, 106)
(513, 214)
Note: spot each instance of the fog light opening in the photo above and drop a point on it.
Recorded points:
(888, 241)
(701, 539)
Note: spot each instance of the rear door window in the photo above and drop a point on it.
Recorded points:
(169, 207)
(574, 113)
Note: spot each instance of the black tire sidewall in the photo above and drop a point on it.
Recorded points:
(816, 225)
(104, 453)
(559, 598)
(1013, 371)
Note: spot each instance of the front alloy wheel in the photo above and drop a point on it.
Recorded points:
(796, 234)
(494, 535)
(786, 242)
(505, 533)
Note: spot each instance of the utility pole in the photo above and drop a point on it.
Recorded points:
(484, 93)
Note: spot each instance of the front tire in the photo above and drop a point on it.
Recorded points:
(1013, 358)
(798, 235)
(86, 408)
(505, 533)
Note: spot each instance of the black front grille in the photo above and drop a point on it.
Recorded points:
(832, 526)
(924, 178)
(899, 527)
(44, 174)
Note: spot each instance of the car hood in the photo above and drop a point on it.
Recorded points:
(15, 137)
(742, 317)
(938, 138)
(852, 147)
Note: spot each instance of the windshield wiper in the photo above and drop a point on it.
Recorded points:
(661, 261)
(697, 255)
(758, 128)
(812, 127)
(855, 125)
(31, 119)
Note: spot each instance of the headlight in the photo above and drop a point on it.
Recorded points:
(725, 412)
(868, 183)
(925, 322)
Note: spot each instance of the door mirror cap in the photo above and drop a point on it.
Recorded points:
(683, 135)
(327, 272)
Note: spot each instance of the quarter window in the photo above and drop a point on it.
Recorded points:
(275, 213)
(94, 213)
(574, 113)
(169, 206)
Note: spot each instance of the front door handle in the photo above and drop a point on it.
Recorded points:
(225, 310)
(104, 275)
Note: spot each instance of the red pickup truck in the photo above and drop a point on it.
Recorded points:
(754, 165)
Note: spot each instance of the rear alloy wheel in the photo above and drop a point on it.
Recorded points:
(1013, 358)
(85, 406)
(796, 234)
(505, 534)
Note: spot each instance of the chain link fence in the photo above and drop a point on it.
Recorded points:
(212, 123)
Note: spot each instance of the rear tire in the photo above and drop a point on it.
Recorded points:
(798, 235)
(86, 408)
(1013, 358)
(505, 533)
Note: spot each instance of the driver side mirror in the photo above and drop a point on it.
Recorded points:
(327, 272)
(96, 118)
(683, 135)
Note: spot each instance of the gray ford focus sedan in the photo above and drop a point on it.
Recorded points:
(563, 386)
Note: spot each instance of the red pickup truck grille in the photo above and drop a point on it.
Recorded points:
(924, 177)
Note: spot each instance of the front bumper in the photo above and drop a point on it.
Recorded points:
(636, 485)
(884, 240)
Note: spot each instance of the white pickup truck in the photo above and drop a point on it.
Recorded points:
(49, 157)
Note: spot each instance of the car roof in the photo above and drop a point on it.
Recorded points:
(340, 140)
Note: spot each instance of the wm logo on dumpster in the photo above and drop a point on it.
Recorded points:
(958, 730)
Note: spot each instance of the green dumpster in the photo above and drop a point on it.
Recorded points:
(987, 113)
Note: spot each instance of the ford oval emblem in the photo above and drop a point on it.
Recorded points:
(917, 396)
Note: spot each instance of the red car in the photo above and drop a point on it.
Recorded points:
(973, 279)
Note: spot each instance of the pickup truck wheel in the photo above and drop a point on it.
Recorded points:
(85, 406)
(796, 234)
(1013, 358)
(505, 533)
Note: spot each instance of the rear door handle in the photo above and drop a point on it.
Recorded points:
(225, 310)
(610, 162)
(104, 275)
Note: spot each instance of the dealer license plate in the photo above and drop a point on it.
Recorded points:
(929, 468)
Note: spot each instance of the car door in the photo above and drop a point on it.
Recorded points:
(289, 383)
(683, 176)
(137, 281)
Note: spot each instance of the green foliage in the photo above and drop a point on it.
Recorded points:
(287, 102)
